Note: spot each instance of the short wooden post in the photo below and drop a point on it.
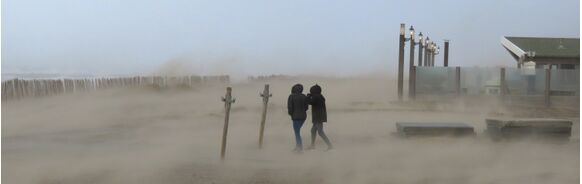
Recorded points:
(412, 83)
(228, 100)
(265, 96)
(547, 91)
(458, 80)
(13, 85)
(17, 88)
(3, 90)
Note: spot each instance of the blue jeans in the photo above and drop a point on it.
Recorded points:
(297, 124)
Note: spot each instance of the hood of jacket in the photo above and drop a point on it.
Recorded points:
(316, 89)
(297, 89)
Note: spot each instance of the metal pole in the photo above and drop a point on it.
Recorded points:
(446, 60)
(265, 96)
(228, 100)
(401, 62)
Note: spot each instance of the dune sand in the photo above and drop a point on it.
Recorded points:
(173, 136)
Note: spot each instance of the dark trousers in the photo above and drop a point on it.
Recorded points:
(318, 127)
(297, 124)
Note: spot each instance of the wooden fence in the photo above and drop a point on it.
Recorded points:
(19, 88)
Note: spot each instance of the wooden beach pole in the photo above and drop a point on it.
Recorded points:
(265, 96)
(228, 100)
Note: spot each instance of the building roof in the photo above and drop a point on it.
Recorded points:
(543, 47)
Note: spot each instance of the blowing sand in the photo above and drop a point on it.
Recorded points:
(173, 136)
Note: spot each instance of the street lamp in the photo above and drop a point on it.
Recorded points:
(411, 31)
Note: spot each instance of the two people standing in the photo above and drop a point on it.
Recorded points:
(297, 106)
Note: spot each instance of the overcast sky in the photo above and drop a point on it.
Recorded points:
(263, 37)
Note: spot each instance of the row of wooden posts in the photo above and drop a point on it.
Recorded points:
(503, 84)
(20, 88)
(228, 101)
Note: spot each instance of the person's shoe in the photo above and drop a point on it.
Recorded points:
(329, 148)
(298, 150)
(310, 147)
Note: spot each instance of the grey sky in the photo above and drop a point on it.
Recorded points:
(263, 37)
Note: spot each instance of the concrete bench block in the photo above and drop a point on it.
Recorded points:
(408, 129)
(507, 128)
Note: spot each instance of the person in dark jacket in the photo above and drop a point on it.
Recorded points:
(297, 106)
(318, 115)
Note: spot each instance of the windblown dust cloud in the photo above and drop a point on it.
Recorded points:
(173, 136)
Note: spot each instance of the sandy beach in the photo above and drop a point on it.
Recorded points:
(150, 135)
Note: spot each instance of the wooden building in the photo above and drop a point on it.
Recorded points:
(560, 53)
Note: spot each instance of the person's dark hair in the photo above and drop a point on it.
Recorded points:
(297, 88)
(316, 89)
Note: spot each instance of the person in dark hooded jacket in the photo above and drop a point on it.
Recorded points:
(297, 106)
(318, 115)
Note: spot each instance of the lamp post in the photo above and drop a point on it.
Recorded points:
(401, 61)
(420, 48)
(411, 64)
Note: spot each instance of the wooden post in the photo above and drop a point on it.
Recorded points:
(446, 59)
(426, 50)
(410, 64)
(401, 62)
(16, 88)
(265, 96)
(4, 90)
(420, 49)
(228, 100)
(458, 80)
(502, 83)
(547, 91)
(412, 92)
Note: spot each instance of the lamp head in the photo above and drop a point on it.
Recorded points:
(411, 31)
